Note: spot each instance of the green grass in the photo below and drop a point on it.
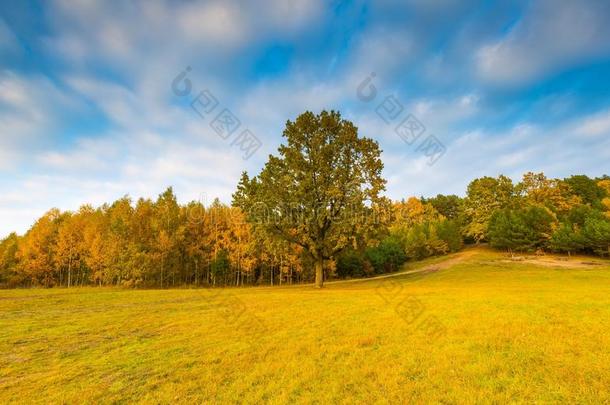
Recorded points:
(511, 332)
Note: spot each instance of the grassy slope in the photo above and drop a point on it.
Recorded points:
(512, 332)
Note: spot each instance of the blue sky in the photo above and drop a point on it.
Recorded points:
(88, 114)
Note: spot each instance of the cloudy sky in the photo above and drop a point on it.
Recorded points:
(88, 112)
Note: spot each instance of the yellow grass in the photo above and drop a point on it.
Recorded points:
(479, 330)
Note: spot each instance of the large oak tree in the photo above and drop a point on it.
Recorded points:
(322, 189)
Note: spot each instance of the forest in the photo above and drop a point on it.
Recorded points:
(316, 211)
(164, 244)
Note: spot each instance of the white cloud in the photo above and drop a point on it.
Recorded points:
(130, 35)
(384, 51)
(596, 125)
(102, 170)
(149, 141)
(119, 104)
(214, 22)
(292, 16)
(273, 102)
(553, 35)
(31, 110)
(439, 115)
(557, 150)
(87, 157)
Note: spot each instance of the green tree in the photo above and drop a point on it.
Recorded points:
(524, 229)
(485, 196)
(350, 264)
(597, 233)
(416, 243)
(567, 239)
(450, 232)
(387, 256)
(605, 202)
(587, 189)
(449, 206)
(319, 190)
(220, 266)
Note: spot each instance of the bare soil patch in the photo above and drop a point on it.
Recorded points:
(553, 261)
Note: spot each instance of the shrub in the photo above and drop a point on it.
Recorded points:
(350, 264)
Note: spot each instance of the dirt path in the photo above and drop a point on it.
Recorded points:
(558, 262)
(445, 264)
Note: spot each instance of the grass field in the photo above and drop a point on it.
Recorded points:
(477, 329)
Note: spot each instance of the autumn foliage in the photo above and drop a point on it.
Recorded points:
(315, 211)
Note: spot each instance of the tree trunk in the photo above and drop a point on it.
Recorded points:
(70, 268)
(162, 269)
(196, 272)
(319, 273)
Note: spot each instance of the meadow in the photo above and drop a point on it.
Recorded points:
(473, 327)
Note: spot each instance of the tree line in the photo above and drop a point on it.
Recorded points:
(164, 244)
(315, 211)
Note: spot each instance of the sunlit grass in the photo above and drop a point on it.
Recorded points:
(512, 332)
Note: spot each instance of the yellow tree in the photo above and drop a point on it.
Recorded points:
(238, 243)
(118, 240)
(605, 184)
(35, 253)
(95, 230)
(537, 189)
(169, 233)
(8, 260)
(197, 239)
(414, 211)
(95, 258)
(69, 250)
(294, 262)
